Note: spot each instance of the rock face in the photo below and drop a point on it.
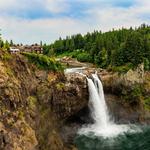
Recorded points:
(115, 82)
(72, 62)
(134, 76)
(69, 97)
(34, 105)
(125, 94)
(122, 112)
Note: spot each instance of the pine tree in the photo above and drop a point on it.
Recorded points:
(134, 47)
(41, 43)
(11, 43)
(6, 45)
(72, 45)
(101, 58)
(1, 41)
(59, 46)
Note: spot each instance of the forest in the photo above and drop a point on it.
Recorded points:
(116, 49)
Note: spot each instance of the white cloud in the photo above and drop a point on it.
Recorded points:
(17, 7)
(142, 7)
(8, 4)
(28, 31)
(53, 6)
(109, 17)
(57, 6)
(96, 18)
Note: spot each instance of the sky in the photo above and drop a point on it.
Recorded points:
(30, 21)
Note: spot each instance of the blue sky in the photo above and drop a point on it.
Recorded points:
(30, 21)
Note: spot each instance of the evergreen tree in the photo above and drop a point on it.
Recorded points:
(101, 58)
(11, 43)
(1, 41)
(134, 47)
(59, 46)
(41, 43)
(72, 45)
(79, 41)
(113, 48)
(67, 44)
(6, 45)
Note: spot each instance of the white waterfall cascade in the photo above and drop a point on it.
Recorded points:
(103, 125)
(97, 102)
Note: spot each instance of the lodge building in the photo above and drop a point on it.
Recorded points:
(35, 48)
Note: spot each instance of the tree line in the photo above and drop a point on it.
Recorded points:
(5, 44)
(122, 47)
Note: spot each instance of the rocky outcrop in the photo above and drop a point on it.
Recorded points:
(115, 81)
(69, 97)
(34, 105)
(126, 95)
(122, 112)
(19, 136)
(133, 76)
(72, 62)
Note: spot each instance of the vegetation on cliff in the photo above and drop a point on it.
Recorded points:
(44, 62)
(136, 97)
(123, 47)
(4, 44)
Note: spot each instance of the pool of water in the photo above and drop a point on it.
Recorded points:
(126, 141)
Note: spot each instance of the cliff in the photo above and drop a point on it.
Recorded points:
(34, 105)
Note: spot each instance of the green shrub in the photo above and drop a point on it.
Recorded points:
(32, 102)
(121, 69)
(84, 57)
(136, 91)
(60, 86)
(21, 114)
(147, 103)
(72, 54)
(134, 95)
(10, 72)
(75, 53)
(44, 62)
(146, 64)
(6, 56)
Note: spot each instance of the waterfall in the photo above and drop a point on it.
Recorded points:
(97, 102)
(103, 125)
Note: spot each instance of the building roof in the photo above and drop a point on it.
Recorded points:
(14, 49)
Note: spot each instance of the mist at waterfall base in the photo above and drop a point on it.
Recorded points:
(104, 134)
(126, 141)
